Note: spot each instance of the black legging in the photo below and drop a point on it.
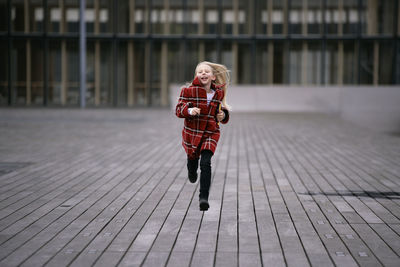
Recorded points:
(205, 174)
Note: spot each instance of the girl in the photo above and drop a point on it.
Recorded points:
(203, 105)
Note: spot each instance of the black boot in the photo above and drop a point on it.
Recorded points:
(192, 165)
(203, 203)
(205, 179)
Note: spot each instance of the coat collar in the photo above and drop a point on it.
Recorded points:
(214, 86)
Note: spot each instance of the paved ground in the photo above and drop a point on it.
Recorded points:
(108, 187)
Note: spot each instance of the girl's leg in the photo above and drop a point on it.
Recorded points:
(205, 178)
(192, 165)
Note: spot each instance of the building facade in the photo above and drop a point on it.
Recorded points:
(136, 48)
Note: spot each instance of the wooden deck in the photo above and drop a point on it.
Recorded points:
(109, 187)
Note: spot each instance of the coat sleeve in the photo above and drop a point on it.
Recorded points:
(226, 119)
(181, 109)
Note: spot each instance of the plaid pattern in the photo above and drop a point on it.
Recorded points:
(200, 132)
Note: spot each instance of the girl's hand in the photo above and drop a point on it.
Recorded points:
(195, 111)
(220, 116)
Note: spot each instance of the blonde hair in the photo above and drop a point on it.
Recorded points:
(222, 76)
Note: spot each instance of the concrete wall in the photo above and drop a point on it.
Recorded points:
(377, 108)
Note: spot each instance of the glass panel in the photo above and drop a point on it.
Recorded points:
(122, 74)
(175, 66)
(139, 16)
(334, 15)
(73, 72)
(72, 16)
(176, 17)
(139, 67)
(99, 11)
(397, 63)
(3, 16)
(33, 22)
(349, 63)
(228, 16)
(279, 62)
(18, 72)
(91, 71)
(305, 17)
(211, 53)
(331, 63)
(350, 9)
(157, 16)
(18, 15)
(244, 64)
(55, 16)
(210, 17)
(156, 74)
(386, 62)
(191, 59)
(295, 63)
(261, 13)
(192, 17)
(314, 17)
(378, 17)
(227, 56)
(296, 16)
(366, 62)
(62, 14)
(106, 73)
(262, 66)
(55, 65)
(314, 56)
(4, 68)
(245, 18)
(124, 16)
(278, 16)
(37, 70)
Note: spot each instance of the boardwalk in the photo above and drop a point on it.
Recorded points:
(109, 188)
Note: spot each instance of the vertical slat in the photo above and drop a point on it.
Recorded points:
(164, 74)
(82, 53)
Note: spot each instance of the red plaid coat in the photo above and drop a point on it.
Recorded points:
(200, 132)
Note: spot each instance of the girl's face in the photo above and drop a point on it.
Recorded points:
(205, 74)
